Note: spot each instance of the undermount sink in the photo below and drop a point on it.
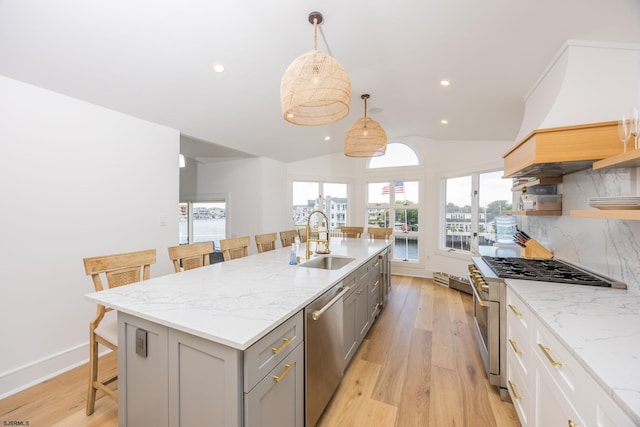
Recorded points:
(327, 262)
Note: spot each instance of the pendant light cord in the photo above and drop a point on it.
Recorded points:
(324, 39)
(315, 33)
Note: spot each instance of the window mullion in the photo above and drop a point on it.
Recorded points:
(475, 202)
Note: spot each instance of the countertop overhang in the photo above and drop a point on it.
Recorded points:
(235, 303)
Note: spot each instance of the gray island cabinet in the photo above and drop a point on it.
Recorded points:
(223, 345)
(363, 302)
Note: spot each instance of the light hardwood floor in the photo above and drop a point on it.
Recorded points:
(418, 366)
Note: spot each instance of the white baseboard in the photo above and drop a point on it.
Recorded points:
(26, 376)
(411, 271)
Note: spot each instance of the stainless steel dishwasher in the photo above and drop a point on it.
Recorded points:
(323, 351)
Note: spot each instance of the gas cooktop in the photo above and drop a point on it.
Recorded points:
(546, 270)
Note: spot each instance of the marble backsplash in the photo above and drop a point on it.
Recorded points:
(605, 246)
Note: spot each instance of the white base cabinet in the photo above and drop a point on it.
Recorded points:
(547, 385)
(171, 378)
(552, 407)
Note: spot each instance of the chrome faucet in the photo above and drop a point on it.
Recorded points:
(318, 240)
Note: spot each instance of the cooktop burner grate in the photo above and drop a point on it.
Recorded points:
(544, 270)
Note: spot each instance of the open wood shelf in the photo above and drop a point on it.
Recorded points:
(607, 214)
(539, 181)
(534, 213)
(630, 159)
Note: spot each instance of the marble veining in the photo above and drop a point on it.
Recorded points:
(236, 302)
(609, 247)
(599, 326)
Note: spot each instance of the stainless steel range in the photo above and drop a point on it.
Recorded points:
(486, 276)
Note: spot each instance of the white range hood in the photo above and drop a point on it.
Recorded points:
(586, 82)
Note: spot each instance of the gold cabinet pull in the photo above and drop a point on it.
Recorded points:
(359, 292)
(285, 342)
(287, 368)
(512, 386)
(515, 347)
(376, 284)
(515, 310)
(545, 350)
(572, 424)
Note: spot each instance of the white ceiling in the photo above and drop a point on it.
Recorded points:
(153, 59)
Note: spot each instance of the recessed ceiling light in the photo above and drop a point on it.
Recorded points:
(445, 82)
(218, 68)
(327, 138)
(444, 121)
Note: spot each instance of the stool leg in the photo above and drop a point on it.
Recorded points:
(93, 375)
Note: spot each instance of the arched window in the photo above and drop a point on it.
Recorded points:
(397, 154)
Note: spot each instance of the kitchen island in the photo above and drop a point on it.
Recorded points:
(591, 337)
(224, 327)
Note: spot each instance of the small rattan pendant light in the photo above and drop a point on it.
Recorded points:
(315, 90)
(365, 138)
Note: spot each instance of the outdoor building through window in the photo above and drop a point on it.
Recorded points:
(329, 197)
(472, 204)
(202, 222)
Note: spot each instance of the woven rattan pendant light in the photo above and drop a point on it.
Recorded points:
(315, 90)
(365, 138)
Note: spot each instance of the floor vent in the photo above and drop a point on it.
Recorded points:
(441, 278)
(461, 284)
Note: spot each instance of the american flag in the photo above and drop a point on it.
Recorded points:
(399, 188)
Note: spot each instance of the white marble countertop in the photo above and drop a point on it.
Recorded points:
(236, 302)
(601, 328)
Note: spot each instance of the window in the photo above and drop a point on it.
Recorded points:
(396, 200)
(458, 213)
(466, 218)
(202, 222)
(494, 197)
(329, 197)
(397, 154)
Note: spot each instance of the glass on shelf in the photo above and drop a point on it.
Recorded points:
(624, 131)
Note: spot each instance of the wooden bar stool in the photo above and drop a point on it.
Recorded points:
(302, 234)
(380, 232)
(288, 237)
(190, 256)
(266, 242)
(351, 232)
(118, 270)
(236, 247)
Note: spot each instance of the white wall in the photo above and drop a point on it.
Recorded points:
(188, 180)
(255, 190)
(76, 180)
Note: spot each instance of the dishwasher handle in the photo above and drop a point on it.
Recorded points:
(316, 314)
